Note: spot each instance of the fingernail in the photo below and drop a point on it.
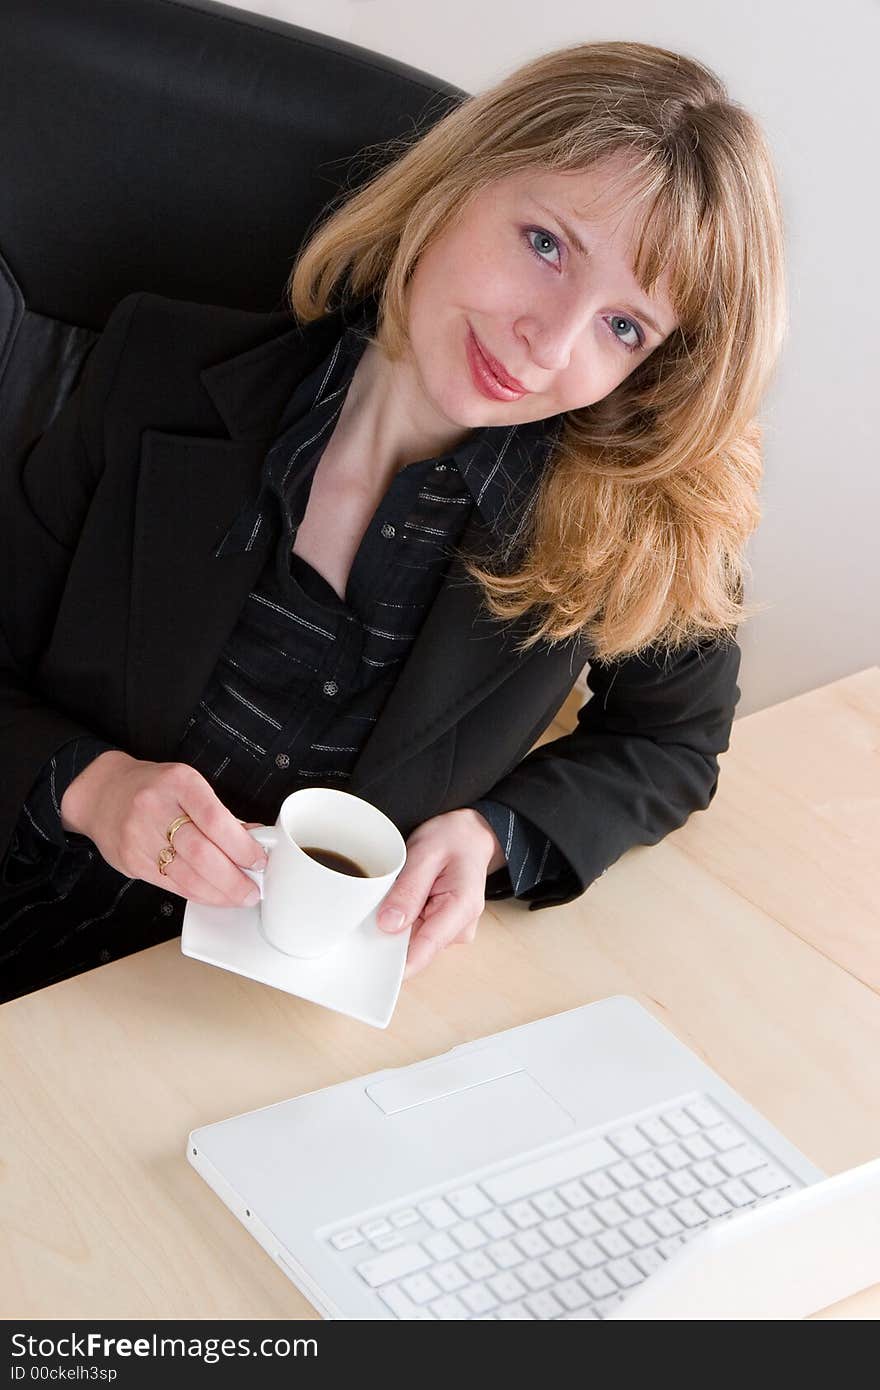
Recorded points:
(261, 861)
(391, 919)
(252, 898)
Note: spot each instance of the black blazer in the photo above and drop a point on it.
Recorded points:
(114, 609)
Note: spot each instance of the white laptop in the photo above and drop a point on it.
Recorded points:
(585, 1166)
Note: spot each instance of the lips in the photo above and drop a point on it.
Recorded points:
(489, 375)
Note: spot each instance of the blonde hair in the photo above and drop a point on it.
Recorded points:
(637, 534)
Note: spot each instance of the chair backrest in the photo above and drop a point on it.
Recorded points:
(178, 146)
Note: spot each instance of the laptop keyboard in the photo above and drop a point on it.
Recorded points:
(568, 1232)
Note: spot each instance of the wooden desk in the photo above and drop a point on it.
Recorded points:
(753, 933)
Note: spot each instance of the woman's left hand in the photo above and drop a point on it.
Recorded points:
(441, 888)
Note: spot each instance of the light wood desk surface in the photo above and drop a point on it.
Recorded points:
(753, 933)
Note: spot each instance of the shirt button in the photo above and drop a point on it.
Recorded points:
(103, 957)
(330, 688)
(166, 908)
(388, 531)
(282, 760)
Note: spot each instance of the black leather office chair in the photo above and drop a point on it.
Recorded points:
(178, 146)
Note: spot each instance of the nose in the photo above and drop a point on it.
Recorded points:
(551, 333)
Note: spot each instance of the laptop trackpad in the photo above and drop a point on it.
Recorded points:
(486, 1118)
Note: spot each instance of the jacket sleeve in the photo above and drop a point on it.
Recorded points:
(643, 757)
(44, 501)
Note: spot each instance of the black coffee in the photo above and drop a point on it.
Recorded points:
(331, 860)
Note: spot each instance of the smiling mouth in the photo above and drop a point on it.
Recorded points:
(489, 374)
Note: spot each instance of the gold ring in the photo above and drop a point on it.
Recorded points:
(167, 855)
(174, 827)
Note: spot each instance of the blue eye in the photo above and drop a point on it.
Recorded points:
(545, 237)
(630, 347)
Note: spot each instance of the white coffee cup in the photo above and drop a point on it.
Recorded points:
(306, 908)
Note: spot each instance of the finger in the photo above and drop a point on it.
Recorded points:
(408, 895)
(200, 802)
(179, 878)
(452, 920)
(204, 858)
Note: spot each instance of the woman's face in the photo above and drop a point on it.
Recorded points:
(508, 282)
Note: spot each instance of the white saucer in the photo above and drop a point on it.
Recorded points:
(360, 977)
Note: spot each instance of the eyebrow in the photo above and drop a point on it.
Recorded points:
(578, 245)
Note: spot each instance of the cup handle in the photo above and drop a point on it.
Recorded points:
(266, 836)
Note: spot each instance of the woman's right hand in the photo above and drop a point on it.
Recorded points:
(126, 806)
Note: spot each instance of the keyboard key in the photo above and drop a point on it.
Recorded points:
(688, 1213)
(736, 1162)
(725, 1137)
(507, 1287)
(597, 1283)
(764, 1181)
(572, 1294)
(544, 1305)
(514, 1312)
(449, 1276)
(561, 1265)
(587, 1253)
(698, 1147)
(704, 1112)
(477, 1265)
(504, 1254)
(535, 1275)
(680, 1122)
(660, 1193)
(408, 1217)
(624, 1273)
(345, 1240)
(394, 1265)
(479, 1298)
(656, 1130)
(582, 1314)
(648, 1260)
(420, 1288)
(575, 1194)
(376, 1228)
(684, 1183)
(402, 1307)
(449, 1307)
(469, 1201)
(532, 1243)
(636, 1203)
(610, 1213)
(625, 1175)
(469, 1235)
(665, 1223)
(438, 1213)
(496, 1225)
(674, 1156)
(549, 1204)
(714, 1202)
(669, 1246)
(614, 1243)
(549, 1171)
(585, 1223)
(639, 1233)
(737, 1193)
(559, 1232)
(629, 1142)
(441, 1247)
(601, 1185)
(650, 1166)
(708, 1173)
(523, 1215)
(388, 1241)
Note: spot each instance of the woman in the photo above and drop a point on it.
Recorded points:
(510, 427)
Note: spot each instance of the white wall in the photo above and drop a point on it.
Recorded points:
(809, 73)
